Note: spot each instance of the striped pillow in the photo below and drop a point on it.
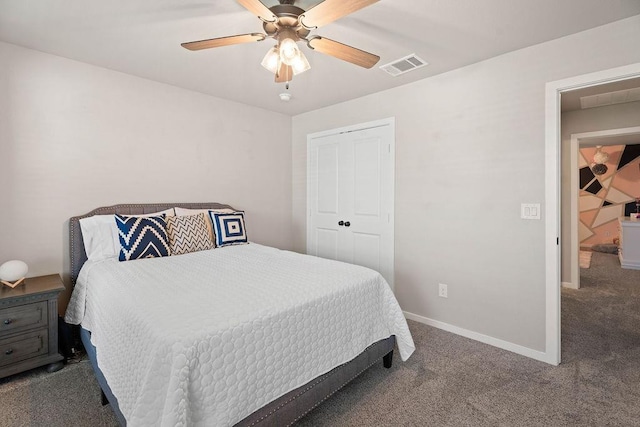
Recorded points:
(188, 234)
(142, 237)
(186, 211)
(229, 228)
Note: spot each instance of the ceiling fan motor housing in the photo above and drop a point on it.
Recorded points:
(288, 15)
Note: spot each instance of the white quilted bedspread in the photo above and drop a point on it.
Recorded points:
(207, 338)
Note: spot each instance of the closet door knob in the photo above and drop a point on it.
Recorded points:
(9, 352)
(340, 223)
(8, 321)
(347, 224)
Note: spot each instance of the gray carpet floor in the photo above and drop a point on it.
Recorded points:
(449, 380)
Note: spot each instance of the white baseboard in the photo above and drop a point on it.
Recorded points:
(505, 345)
(570, 285)
(634, 265)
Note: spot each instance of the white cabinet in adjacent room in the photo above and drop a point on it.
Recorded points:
(629, 251)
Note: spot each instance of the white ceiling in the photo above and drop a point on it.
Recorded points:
(611, 140)
(570, 101)
(142, 37)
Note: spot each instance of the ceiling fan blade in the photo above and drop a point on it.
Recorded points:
(260, 10)
(344, 52)
(224, 41)
(284, 74)
(331, 10)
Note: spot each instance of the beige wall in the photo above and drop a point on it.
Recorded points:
(469, 149)
(581, 121)
(74, 137)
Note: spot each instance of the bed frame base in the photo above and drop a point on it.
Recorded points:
(289, 408)
(294, 405)
(387, 360)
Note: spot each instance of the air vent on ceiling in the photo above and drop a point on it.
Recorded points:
(610, 98)
(404, 65)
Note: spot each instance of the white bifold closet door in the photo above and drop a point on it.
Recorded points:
(350, 183)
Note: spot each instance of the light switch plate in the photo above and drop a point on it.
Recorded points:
(530, 211)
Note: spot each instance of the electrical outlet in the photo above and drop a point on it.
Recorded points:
(442, 290)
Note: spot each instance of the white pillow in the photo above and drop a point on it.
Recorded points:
(100, 235)
(167, 212)
(184, 211)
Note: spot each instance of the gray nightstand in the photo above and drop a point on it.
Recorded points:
(29, 325)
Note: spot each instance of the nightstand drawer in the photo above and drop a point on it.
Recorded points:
(23, 317)
(24, 346)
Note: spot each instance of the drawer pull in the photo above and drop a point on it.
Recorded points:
(8, 321)
(9, 352)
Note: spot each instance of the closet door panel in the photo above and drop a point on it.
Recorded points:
(350, 197)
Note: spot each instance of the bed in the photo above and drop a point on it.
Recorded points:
(238, 335)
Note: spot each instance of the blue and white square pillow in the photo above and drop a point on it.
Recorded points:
(229, 228)
(142, 237)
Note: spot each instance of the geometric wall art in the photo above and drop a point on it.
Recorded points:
(606, 197)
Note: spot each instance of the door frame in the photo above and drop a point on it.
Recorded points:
(553, 141)
(576, 140)
(391, 122)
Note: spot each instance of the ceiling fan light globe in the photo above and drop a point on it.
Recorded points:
(271, 60)
(300, 64)
(288, 51)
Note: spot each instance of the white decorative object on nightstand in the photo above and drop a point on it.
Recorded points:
(12, 273)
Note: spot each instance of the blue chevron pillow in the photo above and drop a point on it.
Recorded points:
(142, 237)
(229, 228)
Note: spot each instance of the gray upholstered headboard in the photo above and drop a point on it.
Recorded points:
(76, 245)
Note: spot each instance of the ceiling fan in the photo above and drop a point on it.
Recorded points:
(288, 24)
